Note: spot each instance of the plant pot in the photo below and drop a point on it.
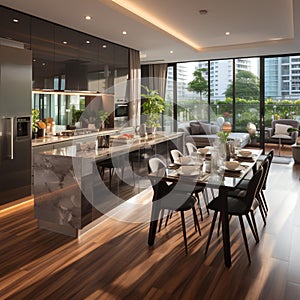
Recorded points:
(150, 130)
(41, 132)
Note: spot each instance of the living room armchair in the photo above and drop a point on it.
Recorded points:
(279, 127)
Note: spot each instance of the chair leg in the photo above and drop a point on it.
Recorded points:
(253, 228)
(162, 212)
(211, 230)
(254, 225)
(245, 238)
(205, 196)
(169, 216)
(219, 223)
(261, 210)
(196, 222)
(199, 205)
(260, 201)
(184, 232)
(264, 200)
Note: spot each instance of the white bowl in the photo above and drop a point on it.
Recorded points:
(188, 170)
(203, 150)
(245, 153)
(232, 165)
(185, 160)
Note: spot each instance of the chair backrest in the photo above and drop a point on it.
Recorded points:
(175, 154)
(269, 157)
(160, 187)
(253, 188)
(190, 148)
(265, 167)
(155, 163)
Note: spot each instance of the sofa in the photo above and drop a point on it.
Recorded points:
(203, 134)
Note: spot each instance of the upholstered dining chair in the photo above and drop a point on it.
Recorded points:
(175, 155)
(172, 200)
(238, 206)
(191, 148)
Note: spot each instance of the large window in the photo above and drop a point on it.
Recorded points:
(282, 88)
(192, 91)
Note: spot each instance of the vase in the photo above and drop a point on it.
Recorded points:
(41, 132)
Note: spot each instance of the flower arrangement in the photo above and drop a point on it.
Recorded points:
(223, 135)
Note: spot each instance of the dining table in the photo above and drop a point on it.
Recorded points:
(225, 180)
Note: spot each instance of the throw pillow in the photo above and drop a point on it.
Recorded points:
(205, 128)
(282, 129)
(195, 128)
(214, 129)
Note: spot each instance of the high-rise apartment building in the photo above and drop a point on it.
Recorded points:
(282, 77)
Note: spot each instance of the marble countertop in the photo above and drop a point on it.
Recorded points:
(51, 139)
(116, 148)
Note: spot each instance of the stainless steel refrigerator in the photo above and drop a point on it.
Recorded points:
(15, 123)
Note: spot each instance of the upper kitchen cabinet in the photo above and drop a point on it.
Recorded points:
(42, 45)
(15, 26)
(68, 65)
(89, 60)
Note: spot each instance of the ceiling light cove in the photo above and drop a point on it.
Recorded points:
(156, 22)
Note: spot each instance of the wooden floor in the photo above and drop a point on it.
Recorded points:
(113, 261)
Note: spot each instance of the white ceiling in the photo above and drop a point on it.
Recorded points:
(250, 23)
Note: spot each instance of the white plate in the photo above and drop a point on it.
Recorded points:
(194, 173)
(191, 163)
(238, 169)
(241, 156)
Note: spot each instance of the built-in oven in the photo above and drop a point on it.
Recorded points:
(122, 111)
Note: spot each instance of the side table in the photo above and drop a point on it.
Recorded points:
(281, 137)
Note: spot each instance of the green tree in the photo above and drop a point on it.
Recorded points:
(198, 84)
(246, 86)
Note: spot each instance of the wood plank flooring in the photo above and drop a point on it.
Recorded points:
(113, 260)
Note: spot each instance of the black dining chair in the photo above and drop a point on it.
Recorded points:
(172, 200)
(238, 206)
(269, 156)
(175, 155)
(244, 185)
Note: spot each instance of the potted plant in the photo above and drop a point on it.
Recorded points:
(38, 126)
(103, 116)
(153, 106)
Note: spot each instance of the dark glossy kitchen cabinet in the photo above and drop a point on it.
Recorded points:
(15, 26)
(42, 45)
(63, 58)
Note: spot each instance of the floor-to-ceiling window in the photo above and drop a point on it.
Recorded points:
(192, 91)
(247, 94)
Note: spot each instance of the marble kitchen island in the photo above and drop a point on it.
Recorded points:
(69, 194)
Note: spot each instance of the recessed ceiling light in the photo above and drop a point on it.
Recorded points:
(227, 33)
(104, 46)
(65, 42)
(171, 51)
(43, 64)
(88, 42)
(203, 11)
(88, 17)
(16, 20)
(34, 60)
(124, 32)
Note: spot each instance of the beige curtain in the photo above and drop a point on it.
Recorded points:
(158, 78)
(134, 87)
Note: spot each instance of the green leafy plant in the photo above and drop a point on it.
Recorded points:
(223, 135)
(35, 118)
(153, 106)
(103, 115)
